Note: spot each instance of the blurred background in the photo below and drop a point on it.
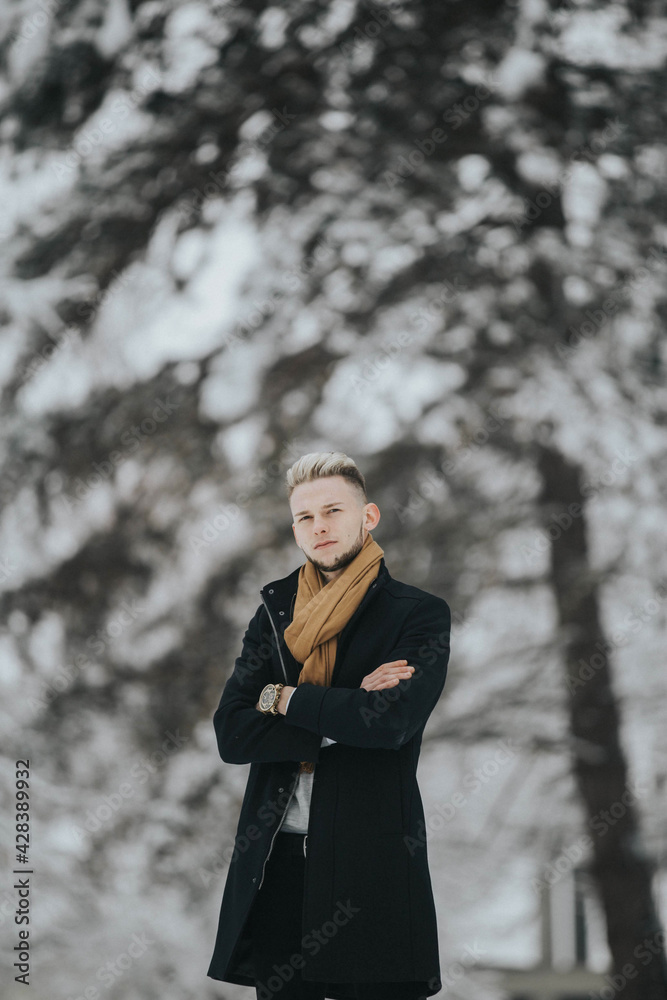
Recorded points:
(432, 235)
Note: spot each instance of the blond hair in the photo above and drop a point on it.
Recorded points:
(320, 464)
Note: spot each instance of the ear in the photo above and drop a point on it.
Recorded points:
(371, 516)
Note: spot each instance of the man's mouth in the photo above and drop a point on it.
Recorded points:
(323, 545)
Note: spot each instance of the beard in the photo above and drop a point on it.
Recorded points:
(342, 560)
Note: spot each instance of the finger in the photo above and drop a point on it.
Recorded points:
(389, 674)
(397, 678)
(380, 675)
(392, 665)
(380, 683)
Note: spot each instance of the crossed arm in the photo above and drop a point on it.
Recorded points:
(386, 675)
(361, 717)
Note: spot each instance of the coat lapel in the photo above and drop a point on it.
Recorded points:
(280, 597)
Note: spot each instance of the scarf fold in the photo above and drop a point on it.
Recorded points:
(321, 612)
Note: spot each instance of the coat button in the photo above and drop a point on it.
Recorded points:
(281, 789)
(281, 612)
(254, 880)
(270, 591)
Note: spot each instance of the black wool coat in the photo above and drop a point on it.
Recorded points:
(366, 848)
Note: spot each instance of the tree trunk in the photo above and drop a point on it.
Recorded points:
(622, 870)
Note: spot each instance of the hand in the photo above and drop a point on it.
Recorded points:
(387, 675)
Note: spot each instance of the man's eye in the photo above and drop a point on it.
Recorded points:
(306, 516)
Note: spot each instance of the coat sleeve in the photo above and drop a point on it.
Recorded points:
(244, 734)
(326, 742)
(389, 718)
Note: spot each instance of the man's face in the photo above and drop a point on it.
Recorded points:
(330, 511)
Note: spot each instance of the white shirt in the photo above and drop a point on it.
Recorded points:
(298, 811)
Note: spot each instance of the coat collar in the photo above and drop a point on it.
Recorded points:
(279, 594)
(279, 597)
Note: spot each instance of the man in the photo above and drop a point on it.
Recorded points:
(328, 893)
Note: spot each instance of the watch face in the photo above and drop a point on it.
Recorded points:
(267, 697)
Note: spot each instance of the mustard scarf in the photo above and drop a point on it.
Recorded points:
(321, 612)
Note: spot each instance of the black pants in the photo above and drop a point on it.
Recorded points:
(275, 928)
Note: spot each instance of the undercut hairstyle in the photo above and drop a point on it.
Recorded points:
(321, 464)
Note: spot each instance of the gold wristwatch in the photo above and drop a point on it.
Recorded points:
(269, 698)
